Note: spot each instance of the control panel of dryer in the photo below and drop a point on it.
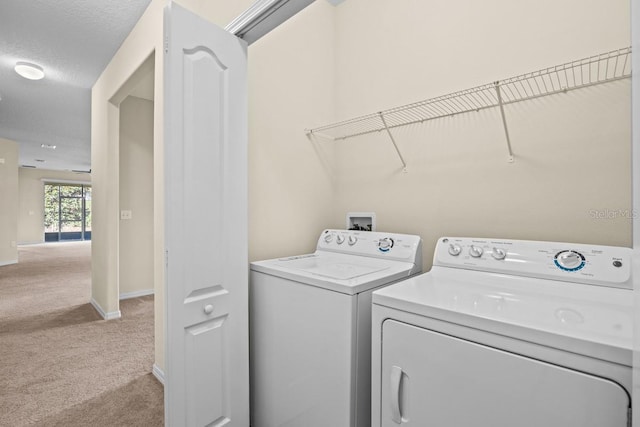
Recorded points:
(401, 247)
(571, 262)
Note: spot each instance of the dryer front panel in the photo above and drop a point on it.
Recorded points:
(432, 379)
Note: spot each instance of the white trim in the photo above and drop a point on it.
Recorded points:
(10, 262)
(158, 373)
(65, 181)
(136, 294)
(635, 198)
(106, 316)
(263, 16)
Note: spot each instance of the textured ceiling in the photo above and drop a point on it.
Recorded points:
(73, 40)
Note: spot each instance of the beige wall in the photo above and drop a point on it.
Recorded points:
(220, 12)
(136, 195)
(145, 39)
(9, 204)
(331, 63)
(291, 82)
(31, 199)
(572, 151)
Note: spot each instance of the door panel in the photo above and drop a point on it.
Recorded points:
(203, 98)
(206, 373)
(431, 379)
(205, 143)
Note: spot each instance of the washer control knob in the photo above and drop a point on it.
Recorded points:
(328, 237)
(498, 253)
(352, 240)
(385, 244)
(569, 260)
(475, 251)
(454, 249)
(339, 239)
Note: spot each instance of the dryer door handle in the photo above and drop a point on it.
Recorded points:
(396, 395)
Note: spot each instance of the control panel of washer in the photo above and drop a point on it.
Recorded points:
(592, 264)
(402, 247)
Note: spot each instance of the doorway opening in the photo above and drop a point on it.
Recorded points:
(132, 121)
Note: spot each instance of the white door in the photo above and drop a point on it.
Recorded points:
(205, 149)
(432, 379)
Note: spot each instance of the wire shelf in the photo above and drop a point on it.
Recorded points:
(598, 69)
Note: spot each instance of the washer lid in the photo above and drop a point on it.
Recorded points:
(349, 274)
(329, 267)
(590, 320)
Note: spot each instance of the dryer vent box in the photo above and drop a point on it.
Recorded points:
(364, 221)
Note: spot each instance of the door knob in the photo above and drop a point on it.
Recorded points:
(208, 309)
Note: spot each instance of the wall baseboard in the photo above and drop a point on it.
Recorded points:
(10, 262)
(136, 294)
(106, 316)
(158, 373)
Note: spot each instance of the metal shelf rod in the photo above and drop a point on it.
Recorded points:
(591, 71)
(393, 141)
(504, 122)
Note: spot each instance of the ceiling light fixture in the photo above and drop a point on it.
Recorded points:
(29, 71)
(48, 146)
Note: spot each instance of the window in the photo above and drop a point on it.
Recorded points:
(67, 212)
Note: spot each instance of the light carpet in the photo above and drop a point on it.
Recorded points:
(60, 363)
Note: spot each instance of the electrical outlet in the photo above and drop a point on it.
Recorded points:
(1, 160)
(13, 243)
(125, 214)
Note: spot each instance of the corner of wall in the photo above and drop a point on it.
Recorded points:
(9, 205)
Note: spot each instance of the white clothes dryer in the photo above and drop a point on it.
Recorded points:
(506, 333)
(310, 327)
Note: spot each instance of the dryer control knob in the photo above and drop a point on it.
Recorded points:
(475, 251)
(328, 237)
(339, 239)
(352, 240)
(569, 260)
(498, 253)
(454, 249)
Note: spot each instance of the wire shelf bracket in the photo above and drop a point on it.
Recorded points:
(393, 141)
(591, 71)
(504, 122)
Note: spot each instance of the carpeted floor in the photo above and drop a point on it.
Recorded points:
(60, 363)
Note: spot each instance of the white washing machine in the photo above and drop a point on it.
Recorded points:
(310, 328)
(506, 333)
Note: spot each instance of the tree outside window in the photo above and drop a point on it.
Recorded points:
(67, 212)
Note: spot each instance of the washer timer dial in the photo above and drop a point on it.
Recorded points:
(385, 244)
(569, 260)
